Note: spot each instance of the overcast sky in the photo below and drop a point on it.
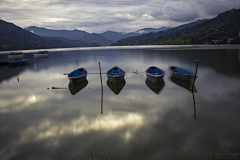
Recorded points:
(116, 15)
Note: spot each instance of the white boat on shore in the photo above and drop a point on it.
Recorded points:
(15, 55)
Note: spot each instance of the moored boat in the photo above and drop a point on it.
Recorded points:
(18, 62)
(115, 74)
(15, 55)
(77, 75)
(155, 74)
(41, 54)
(182, 74)
(4, 62)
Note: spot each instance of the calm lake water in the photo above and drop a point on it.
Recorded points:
(136, 123)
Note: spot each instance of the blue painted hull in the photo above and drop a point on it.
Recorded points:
(115, 75)
(77, 76)
(18, 62)
(155, 74)
(4, 62)
(182, 74)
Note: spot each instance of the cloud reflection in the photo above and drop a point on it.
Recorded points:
(135, 124)
(106, 123)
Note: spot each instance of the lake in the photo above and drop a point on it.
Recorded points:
(134, 121)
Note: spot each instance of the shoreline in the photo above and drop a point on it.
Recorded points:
(156, 47)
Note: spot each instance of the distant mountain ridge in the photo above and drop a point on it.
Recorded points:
(105, 39)
(13, 37)
(71, 35)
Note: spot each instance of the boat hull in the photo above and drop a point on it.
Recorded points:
(115, 75)
(182, 74)
(75, 80)
(182, 77)
(40, 55)
(115, 79)
(155, 79)
(155, 74)
(77, 76)
(15, 56)
(4, 62)
(18, 62)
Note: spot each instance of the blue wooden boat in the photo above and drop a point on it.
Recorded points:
(182, 74)
(77, 75)
(115, 74)
(4, 62)
(17, 62)
(155, 74)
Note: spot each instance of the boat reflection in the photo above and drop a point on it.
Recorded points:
(156, 88)
(75, 88)
(116, 87)
(3, 65)
(194, 104)
(185, 84)
(17, 66)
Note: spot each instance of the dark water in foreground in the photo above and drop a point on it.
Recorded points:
(45, 124)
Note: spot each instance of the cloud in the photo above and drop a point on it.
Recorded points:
(116, 15)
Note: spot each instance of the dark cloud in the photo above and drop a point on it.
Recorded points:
(116, 15)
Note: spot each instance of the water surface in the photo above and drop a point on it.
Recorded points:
(137, 122)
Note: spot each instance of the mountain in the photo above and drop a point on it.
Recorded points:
(71, 35)
(74, 35)
(105, 39)
(115, 36)
(133, 40)
(96, 38)
(220, 30)
(13, 37)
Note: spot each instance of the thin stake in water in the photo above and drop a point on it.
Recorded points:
(102, 88)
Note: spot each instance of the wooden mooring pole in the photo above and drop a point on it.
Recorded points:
(195, 75)
(102, 88)
(194, 103)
